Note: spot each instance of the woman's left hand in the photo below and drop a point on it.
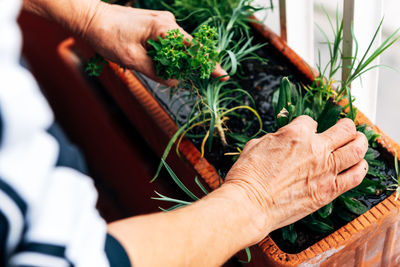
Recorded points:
(120, 34)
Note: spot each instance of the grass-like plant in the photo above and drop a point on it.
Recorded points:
(232, 13)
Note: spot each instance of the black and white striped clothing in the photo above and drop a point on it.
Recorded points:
(47, 211)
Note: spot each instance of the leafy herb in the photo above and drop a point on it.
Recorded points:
(178, 58)
(95, 65)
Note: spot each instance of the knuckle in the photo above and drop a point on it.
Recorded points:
(251, 143)
(338, 187)
(304, 117)
(319, 199)
(333, 163)
(168, 14)
(348, 125)
(364, 140)
(290, 130)
(359, 151)
(308, 119)
(155, 21)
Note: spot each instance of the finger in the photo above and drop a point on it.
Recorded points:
(340, 134)
(350, 154)
(305, 121)
(351, 178)
(220, 72)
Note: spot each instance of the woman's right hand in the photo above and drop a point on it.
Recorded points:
(295, 171)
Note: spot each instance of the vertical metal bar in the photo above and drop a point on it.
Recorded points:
(283, 19)
(348, 19)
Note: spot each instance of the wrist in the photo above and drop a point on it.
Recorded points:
(248, 215)
(87, 18)
(75, 15)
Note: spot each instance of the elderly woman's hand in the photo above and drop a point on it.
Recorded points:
(295, 171)
(121, 33)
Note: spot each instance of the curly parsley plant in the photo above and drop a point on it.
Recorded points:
(178, 58)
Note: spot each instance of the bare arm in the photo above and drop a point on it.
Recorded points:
(279, 179)
(206, 233)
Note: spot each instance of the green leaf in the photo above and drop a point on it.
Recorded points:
(95, 65)
(289, 233)
(178, 182)
(354, 205)
(234, 63)
(370, 187)
(197, 181)
(155, 44)
(172, 200)
(317, 225)
(344, 214)
(325, 211)
(370, 155)
(285, 92)
(248, 254)
(374, 172)
(329, 116)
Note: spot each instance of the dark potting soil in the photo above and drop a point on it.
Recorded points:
(261, 80)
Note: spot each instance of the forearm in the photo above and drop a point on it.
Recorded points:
(75, 15)
(207, 233)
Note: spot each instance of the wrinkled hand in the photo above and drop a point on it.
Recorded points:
(120, 34)
(294, 172)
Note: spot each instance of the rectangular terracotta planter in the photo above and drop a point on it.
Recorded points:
(369, 240)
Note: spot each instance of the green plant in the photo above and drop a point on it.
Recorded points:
(179, 58)
(193, 13)
(95, 65)
(289, 103)
(319, 101)
(324, 84)
(214, 101)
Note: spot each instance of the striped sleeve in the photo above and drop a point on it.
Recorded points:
(11, 206)
(48, 213)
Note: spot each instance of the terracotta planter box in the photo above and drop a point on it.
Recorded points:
(369, 240)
